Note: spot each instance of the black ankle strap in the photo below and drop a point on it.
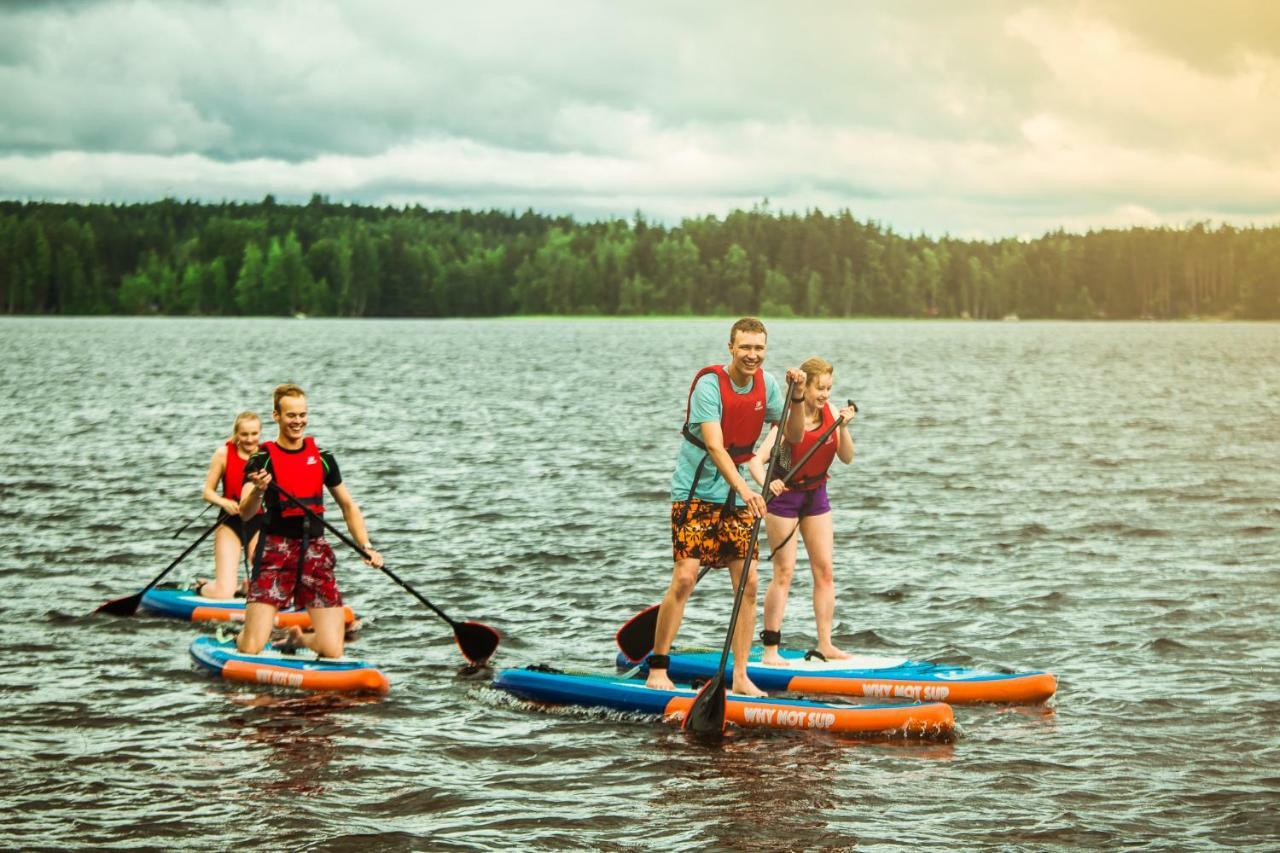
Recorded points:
(771, 638)
(659, 661)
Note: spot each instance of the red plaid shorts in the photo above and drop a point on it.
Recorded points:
(275, 581)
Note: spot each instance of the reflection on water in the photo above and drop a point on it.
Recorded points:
(299, 732)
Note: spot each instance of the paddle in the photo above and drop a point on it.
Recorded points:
(635, 638)
(128, 605)
(706, 715)
(804, 459)
(180, 530)
(477, 641)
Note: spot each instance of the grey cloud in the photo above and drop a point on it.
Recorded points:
(257, 94)
(242, 80)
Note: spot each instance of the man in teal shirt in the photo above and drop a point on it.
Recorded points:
(713, 508)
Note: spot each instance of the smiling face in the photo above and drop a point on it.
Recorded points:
(818, 390)
(291, 415)
(248, 434)
(746, 353)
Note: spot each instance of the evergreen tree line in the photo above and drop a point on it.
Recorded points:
(186, 258)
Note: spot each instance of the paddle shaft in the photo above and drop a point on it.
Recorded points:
(128, 605)
(794, 470)
(363, 553)
(180, 530)
(751, 543)
(203, 536)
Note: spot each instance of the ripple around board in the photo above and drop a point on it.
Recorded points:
(994, 516)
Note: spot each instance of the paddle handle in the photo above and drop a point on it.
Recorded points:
(362, 552)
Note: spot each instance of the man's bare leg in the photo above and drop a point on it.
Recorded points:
(684, 576)
(327, 634)
(259, 619)
(743, 631)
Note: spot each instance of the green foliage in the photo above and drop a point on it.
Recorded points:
(248, 293)
(322, 258)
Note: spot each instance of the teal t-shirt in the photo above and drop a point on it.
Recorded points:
(705, 408)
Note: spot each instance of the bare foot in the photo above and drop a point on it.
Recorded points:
(743, 686)
(659, 680)
(293, 640)
(771, 657)
(830, 652)
(206, 588)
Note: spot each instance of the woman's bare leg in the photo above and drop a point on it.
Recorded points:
(819, 544)
(775, 597)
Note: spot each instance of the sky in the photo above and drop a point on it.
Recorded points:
(979, 119)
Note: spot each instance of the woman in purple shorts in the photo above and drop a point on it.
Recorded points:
(802, 506)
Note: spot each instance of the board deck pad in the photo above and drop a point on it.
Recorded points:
(878, 677)
(301, 670)
(542, 685)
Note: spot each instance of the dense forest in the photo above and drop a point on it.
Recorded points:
(171, 257)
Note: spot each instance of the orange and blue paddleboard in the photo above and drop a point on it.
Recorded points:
(552, 687)
(302, 671)
(871, 677)
(183, 603)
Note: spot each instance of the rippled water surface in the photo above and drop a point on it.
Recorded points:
(1102, 501)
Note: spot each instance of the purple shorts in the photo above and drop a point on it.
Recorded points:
(801, 504)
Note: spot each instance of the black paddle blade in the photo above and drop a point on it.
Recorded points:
(126, 606)
(636, 638)
(476, 641)
(706, 715)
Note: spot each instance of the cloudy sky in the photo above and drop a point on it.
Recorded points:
(1007, 117)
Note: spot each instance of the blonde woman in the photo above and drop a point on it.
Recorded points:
(235, 536)
(803, 507)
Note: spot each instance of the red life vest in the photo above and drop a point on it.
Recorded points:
(741, 415)
(300, 473)
(233, 473)
(814, 472)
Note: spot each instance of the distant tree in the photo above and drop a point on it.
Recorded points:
(249, 296)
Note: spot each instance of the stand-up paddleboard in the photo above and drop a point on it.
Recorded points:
(553, 687)
(875, 677)
(302, 670)
(183, 603)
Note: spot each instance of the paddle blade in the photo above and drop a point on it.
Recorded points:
(706, 715)
(126, 606)
(476, 641)
(635, 638)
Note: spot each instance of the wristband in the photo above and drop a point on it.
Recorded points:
(794, 400)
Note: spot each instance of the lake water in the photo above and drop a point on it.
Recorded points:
(1098, 500)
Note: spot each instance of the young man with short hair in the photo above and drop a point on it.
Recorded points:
(293, 562)
(727, 410)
